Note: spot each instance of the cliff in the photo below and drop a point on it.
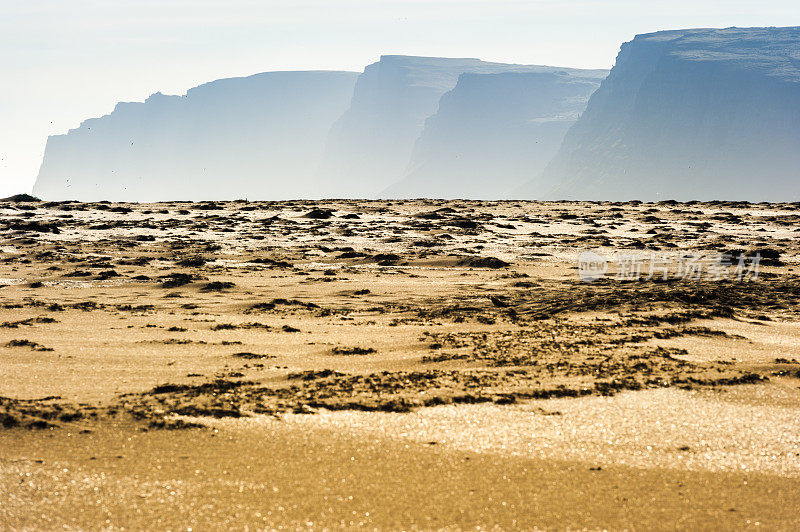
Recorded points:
(492, 132)
(370, 146)
(260, 137)
(689, 114)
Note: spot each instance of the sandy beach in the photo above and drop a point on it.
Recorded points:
(398, 365)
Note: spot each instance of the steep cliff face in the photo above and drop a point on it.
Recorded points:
(691, 114)
(260, 137)
(370, 146)
(492, 132)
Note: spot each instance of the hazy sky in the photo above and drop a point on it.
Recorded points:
(62, 61)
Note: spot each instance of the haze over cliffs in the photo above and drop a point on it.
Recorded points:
(690, 114)
(685, 114)
(282, 135)
(261, 136)
(493, 131)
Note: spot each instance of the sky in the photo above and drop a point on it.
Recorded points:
(63, 61)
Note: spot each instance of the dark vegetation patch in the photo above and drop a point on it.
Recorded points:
(482, 262)
(192, 262)
(28, 322)
(176, 279)
(319, 214)
(217, 286)
(173, 424)
(234, 326)
(724, 298)
(272, 262)
(251, 356)
(352, 350)
(33, 226)
(27, 344)
(444, 357)
(311, 374)
(277, 303)
(44, 413)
